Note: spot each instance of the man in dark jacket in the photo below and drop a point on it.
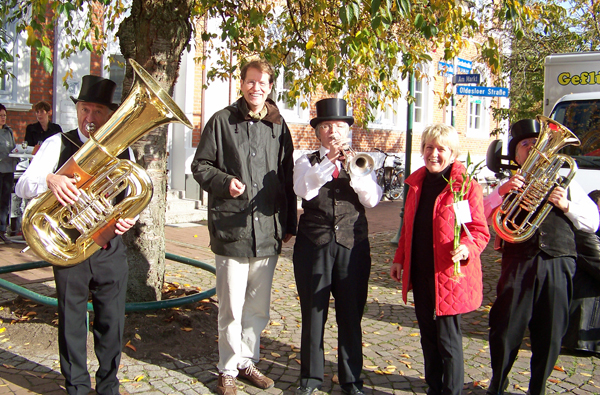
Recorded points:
(244, 161)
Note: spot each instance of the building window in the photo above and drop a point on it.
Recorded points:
(419, 104)
(423, 104)
(478, 108)
(291, 112)
(14, 86)
(475, 113)
(386, 118)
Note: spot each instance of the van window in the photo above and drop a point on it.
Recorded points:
(582, 118)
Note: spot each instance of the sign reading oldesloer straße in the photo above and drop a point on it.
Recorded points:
(481, 91)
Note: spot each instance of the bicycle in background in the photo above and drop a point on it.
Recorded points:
(391, 178)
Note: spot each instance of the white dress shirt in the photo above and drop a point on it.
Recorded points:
(309, 179)
(33, 182)
(583, 212)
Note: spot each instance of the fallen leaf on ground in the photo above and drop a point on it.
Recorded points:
(129, 345)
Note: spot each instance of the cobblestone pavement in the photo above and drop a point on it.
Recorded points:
(393, 360)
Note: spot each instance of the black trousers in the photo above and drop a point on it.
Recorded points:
(441, 340)
(533, 293)
(104, 274)
(6, 187)
(321, 270)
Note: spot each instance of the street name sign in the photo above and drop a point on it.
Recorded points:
(467, 78)
(481, 91)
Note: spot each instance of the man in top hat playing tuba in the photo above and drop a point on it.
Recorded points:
(535, 285)
(104, 274)
(332, 252)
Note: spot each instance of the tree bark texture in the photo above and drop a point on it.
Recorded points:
(155, 35)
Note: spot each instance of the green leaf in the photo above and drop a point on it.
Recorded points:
(351, 14)
(419, 20)
(404, 7)
(330, 63)
(343, 12)
(376, 22)
(375, 6)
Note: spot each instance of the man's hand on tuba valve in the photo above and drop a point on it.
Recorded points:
(63, 188)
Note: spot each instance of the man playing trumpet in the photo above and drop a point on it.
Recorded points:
(332, 252)
(535, 285)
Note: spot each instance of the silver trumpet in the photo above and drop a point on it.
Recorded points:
(358, 165)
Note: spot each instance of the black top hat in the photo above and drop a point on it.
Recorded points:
(521, 130)
(97, 90)
(331, 110)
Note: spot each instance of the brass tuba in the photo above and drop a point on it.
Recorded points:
(517, 219)
(66, 236)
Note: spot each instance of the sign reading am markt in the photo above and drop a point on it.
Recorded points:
(467, 78)
(481, 91)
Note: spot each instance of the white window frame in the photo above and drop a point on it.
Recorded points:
(426, 101)
(295, 113)
(16, 94)
(481, 132)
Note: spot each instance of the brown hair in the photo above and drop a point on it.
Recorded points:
(42, 105)
(261, 65)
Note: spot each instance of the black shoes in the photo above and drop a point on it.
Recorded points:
(305, 390)
(353, 391)
(4, 238)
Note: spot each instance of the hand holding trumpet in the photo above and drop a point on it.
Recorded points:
(338, 146)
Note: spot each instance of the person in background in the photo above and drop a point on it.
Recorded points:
(424, 260)
(36, 133)
(332, 252)
(536, 281)
(245, 162)
(104, 273)
(583, 333)
(7, 173)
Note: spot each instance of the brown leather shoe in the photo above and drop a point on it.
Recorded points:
(226, 385)
(253, 375)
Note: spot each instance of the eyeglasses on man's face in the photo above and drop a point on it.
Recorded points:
(337, 126)
(253, 83)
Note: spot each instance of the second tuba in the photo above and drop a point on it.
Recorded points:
(66, 236)
(522, 211)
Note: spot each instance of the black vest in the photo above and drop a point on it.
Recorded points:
(335, 211)
(555, 237)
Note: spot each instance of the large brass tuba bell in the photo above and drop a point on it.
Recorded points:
(517, 219)
(66, 236)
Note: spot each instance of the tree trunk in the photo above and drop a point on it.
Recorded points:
(155, 35)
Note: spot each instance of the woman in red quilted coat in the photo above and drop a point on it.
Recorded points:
(424, 260)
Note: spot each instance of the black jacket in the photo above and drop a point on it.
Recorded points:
(260, 155)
